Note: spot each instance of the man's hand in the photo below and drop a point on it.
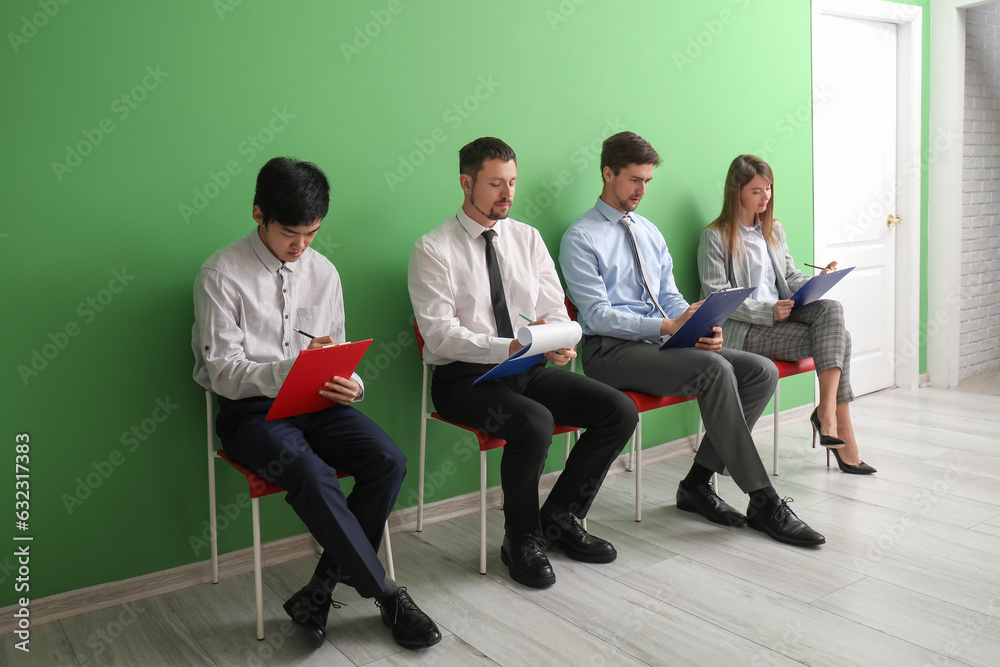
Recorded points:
(515, 345)
(670, 327)
(713, 344)
(343, 391)
(561, 356)
(829, 267)
(783, 309)
(322, 341)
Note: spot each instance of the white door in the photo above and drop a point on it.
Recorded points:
(854, 181)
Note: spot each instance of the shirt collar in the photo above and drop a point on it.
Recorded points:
(266, 257)
(475, 229)
(750, 230)
(610, 213)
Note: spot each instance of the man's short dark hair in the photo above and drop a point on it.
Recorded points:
(625, 148)
(472, 155)
(291, 192)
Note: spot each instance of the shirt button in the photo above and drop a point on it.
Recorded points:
(286, 317)
(206, 347)
(283, 290)
(286, 344)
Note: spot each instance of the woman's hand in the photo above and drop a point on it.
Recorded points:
(783, 309)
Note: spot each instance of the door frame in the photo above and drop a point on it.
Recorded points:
(944, 190)
(909, 53)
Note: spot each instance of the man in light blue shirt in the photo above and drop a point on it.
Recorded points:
(619, 274)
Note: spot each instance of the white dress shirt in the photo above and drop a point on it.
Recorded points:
(761, 269)
(450, 288)
(248, 304)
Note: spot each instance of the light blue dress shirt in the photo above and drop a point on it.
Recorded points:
(602, 279)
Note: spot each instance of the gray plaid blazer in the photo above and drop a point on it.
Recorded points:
(718, 271)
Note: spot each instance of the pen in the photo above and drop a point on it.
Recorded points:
(526, 317)
(813, 266)
(307, 335)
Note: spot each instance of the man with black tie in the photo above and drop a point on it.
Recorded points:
(469, 280)
(619, 274)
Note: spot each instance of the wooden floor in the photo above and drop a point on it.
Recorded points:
(910, 574)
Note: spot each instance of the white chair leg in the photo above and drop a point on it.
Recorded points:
(423, 452)
(482, 512)
(630, 461)
(258, 573)
(213, 535)
(638, 470)
(390, 568)
(777, 410)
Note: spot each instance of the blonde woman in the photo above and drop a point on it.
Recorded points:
(745, 246)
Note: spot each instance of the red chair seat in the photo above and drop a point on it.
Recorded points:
(646, 402)
(787, 368)
(259, 487)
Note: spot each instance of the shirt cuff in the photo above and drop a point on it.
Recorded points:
(361, 394)
(649, 328)
(499, 349)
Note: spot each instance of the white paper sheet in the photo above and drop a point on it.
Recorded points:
(543, 338)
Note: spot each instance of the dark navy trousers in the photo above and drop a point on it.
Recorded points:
(303, 454)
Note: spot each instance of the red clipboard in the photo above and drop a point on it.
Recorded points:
(298, 394)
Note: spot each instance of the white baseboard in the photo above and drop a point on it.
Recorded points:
(113, 593)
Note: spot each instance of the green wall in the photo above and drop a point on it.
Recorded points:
(131, 140)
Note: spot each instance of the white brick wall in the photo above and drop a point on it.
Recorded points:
(979, 345)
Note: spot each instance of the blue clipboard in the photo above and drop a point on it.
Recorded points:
(716, 310)
(818, 286)
(516, 363)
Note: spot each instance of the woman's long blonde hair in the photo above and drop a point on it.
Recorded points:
(743, 170)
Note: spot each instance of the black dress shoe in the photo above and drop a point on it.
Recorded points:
(522, 554)
(308, 609)
(703, 500)
(411, 628)
(779, 521)
(566, 533)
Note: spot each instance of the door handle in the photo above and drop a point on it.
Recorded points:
(892, 221)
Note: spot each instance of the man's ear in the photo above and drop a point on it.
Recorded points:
(466, 182)
(607, 173)
(258, 215)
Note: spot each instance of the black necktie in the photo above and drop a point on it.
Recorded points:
(643, 278)
(500, 313)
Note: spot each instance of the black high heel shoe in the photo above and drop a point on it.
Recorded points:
(859, 469)
(827, 441)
